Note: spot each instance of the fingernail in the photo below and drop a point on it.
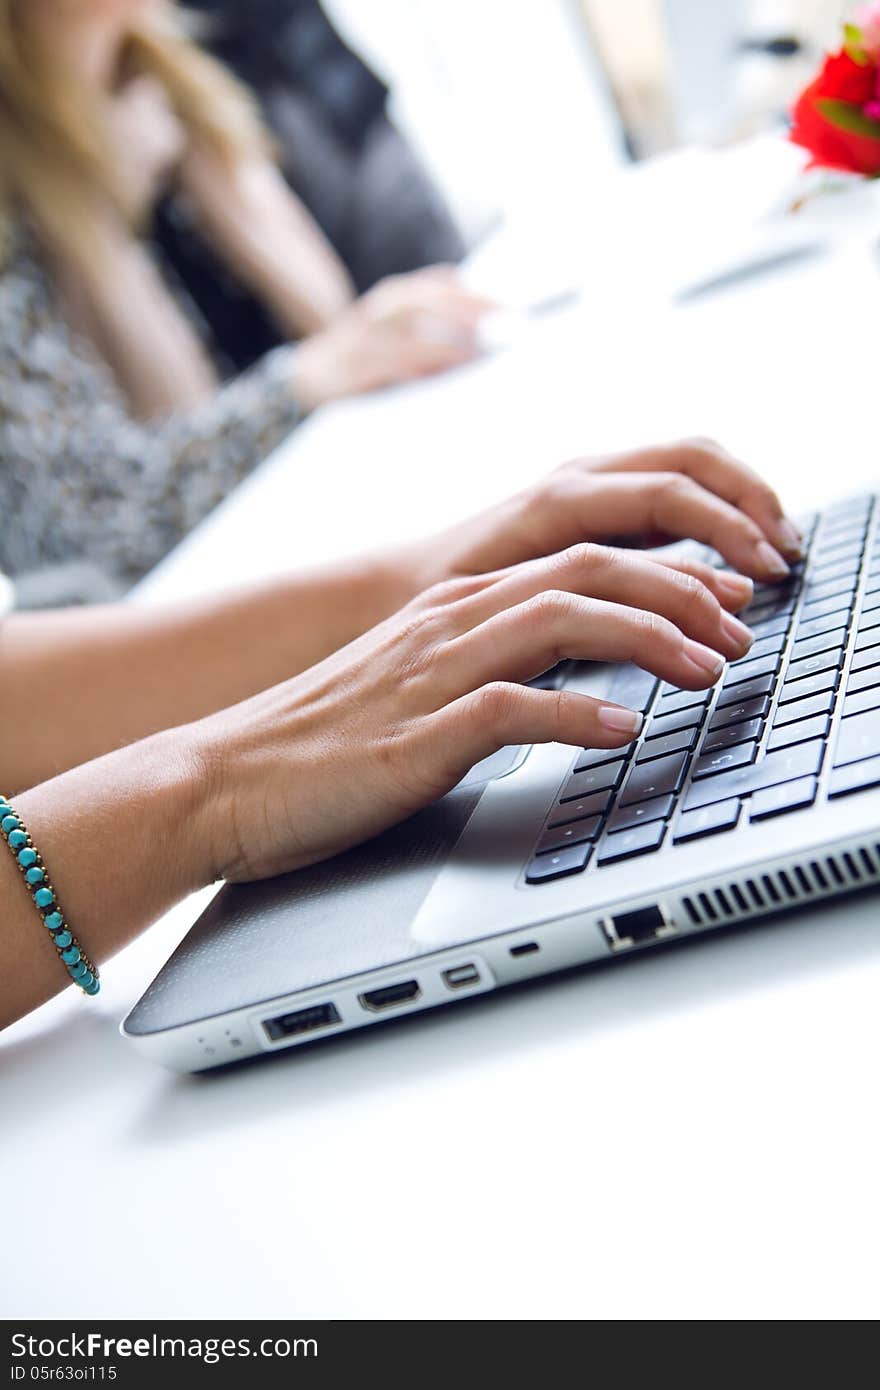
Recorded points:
(736, 588)
(703, 658)
(741, 636)
(620, 720)
(771, 561)
(790, 538)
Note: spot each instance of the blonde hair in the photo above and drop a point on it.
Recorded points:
(55, 150)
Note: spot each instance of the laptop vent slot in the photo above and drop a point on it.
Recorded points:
(815, 878)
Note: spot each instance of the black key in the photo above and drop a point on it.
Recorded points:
(593, 779)
(866, 658)
(834, 638)
(757, 708)
(856, 777)
(798, 732)
(868, 637)
(849, 530)
(748, 670)
(674, 699)
(862, 700)
(595, 805)
(833, 569)
(812, 665)
(741, 691)
(595, 757)
(848, 541)
(868, 621)
(631, 842)
(765, 646)
(771, 627)
(661, 725)
(657, 778)
(863, 680)
(810, 685)
(822, 608)
(804, 760)
(566, 861)
(626, 817)
(671, 743)
(577, 832)
(708, 820)
(777, 801)
(842, 588)
(804, 709)
(766, 592)
(633, 687)
(713, 763)
(858, 737)
(746, 732)
(813, 626)
(765, 612)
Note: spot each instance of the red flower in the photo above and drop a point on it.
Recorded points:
(842, 80)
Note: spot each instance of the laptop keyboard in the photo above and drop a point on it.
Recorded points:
(796, 719)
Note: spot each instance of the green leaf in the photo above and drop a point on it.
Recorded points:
(853, 43)
(845, 116)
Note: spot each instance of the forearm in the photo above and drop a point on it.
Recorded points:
(121, 840)
(84, 682)
(270, 240)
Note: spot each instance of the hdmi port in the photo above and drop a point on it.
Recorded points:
(389, 995)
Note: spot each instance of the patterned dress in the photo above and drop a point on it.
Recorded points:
(81, 479)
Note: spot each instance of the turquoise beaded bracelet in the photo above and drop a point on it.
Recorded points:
(33, 871)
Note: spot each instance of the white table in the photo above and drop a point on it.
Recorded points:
(695, 1135)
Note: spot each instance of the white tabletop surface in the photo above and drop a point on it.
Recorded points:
(694, 1135)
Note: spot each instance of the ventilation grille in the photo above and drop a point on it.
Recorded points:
(813, 878)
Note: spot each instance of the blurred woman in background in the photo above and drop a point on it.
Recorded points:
(346, 160)
(116, 435)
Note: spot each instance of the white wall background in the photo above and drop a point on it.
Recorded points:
(510, 111)
(501, 96)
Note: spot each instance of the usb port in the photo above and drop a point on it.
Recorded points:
(460, 975)
(406, 992)
(302, 1021)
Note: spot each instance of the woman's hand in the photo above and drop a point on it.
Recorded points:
(407, 326)
(690, 489)
(148, 134)
(395, 719)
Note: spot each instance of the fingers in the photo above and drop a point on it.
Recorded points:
(734, 591)
(673, 506)
(710, 465)
(497, 714)
(421, 354)
(679, 506)
(522, 641)
(624, 578)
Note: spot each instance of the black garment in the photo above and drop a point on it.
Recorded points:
(291, 44)
(340, 153)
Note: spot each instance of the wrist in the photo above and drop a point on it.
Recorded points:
(315, 375)
(122, 841)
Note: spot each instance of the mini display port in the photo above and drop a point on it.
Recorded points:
(525, 948)
(388, 995)
(460, 975)
(302, 1021)
(637, 927)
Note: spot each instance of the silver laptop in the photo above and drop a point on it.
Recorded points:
(756, 796)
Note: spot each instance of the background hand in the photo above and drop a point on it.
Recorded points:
(407, 326)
